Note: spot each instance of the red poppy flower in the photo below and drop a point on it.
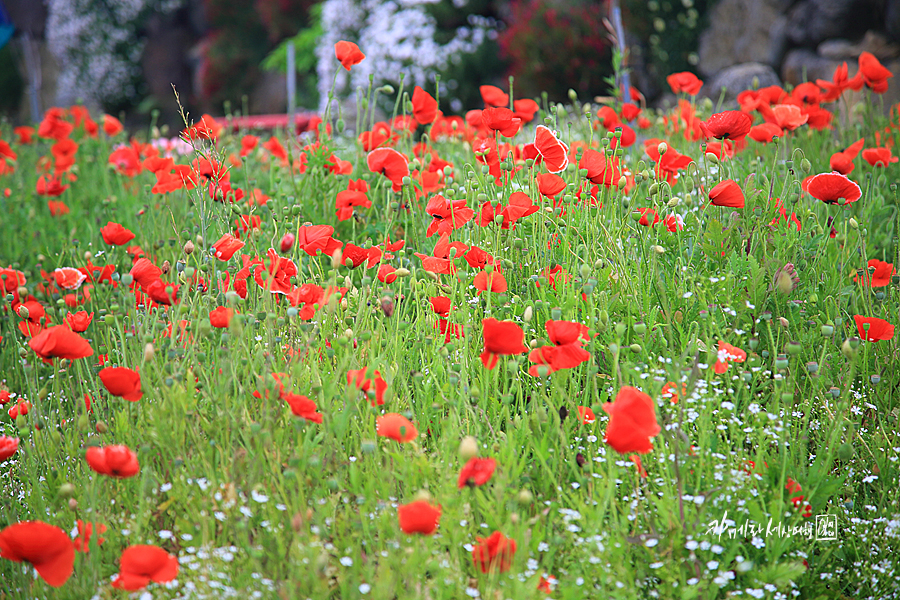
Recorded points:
(501, 338)
(353, 196)
(25, 134)
(501, 120)
(492, 282)
(85, 531)
(632, 422)
(873, 329)
(419, 517)
(116, 235)
(112, 126)
(493, 96)
(122, 382)
(363, 383)
(555, 154)
(21, 408)
(8, 447)
(586, 415)
(60, 342)
(302, 406)
(565, 350)
(477, 471)
(47, 548)
(115, 461)
(684, 82)
(227, 246)
(315, 238)
(162, 292)
(550, 184)
(874, 74)
(425, 107)
(636, 459)
(348, 54)
(788, 116)
(140, 565)
(673, 223)
(397, 427)
(221, 317)
(727, 193)
(525, 109)
(387, 274)
(765, 132)
(391, 164)
(881, 276)
(494, 553)
(447, 215)
(879, 157)
(78, 322)
(670, 391)
(649, 217)
(49, 186)
(727, 354)
(832, 187)
(730, 125)
(57, 208)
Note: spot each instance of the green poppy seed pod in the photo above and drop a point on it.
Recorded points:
(556, 313)
(794, 348)
(812, 367)
(754, 342)
(827, 329)
(640, 328)
(845, 452)
(529, 313)
(638, 177)
(854, 224)
(662, 148)
(710, 157)
(854, 342)
(620, 329)
(66, 490)
(204, 327)
(585, 270)
(543, 370)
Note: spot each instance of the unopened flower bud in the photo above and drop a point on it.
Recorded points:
(188, 247)
(149, 352)
(662, 148)
(468, 448)
(287, 242)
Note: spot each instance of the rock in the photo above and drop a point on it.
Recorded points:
(875, 42)
(805, 65)
(742, 31)
(811, 22)
(738, 78)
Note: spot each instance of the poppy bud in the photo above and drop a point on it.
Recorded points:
(297, 522)
(340, 125)
(805, 165)
(149, 352)
(662, 148)
(423, 495)
(23, 311)
(580, 459)
(468, 448)
(336, 258)
(784, 322)
(66, 490)
(188, 247)
(387, 307)
(101, 427)
(710, 157)
(287, 242)
(525, 497)
(635, 348)
(854, 224)
(847, 350)
(658, 249)
(73, 503)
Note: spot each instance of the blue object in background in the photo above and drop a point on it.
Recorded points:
(6, 26)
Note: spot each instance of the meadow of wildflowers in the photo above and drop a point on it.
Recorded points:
(535, 350)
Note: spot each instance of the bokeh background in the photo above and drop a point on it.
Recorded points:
(124, 56)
